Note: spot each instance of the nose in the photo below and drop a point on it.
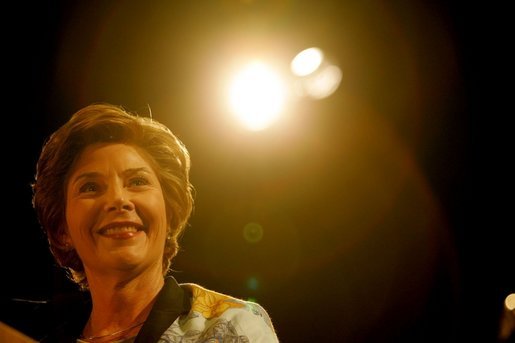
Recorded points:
(120, 204)
(117, 199)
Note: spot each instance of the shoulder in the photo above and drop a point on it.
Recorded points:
(211, 304)
(215, 315)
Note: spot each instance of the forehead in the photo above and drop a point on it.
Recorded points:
(97, 157)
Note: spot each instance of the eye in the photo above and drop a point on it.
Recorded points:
(89, 187)
(138, 181)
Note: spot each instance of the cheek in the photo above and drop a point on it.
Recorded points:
(79, 214)
(158, 210)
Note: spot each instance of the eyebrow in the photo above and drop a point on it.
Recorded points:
(130, 171)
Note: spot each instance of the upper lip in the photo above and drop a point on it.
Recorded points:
(138, 226)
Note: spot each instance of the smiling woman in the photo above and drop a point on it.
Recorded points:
(112, 193)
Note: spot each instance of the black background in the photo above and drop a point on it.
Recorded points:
(385, 207)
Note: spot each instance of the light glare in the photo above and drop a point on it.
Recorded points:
(324, 83)
(509, 302)
(307, 61)
(257, 96)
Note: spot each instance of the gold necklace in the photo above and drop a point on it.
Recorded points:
(92, 338)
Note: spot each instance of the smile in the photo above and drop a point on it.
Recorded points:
(120, 230)
(115, 230)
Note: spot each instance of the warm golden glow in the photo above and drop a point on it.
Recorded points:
(307, 61)
(257, 96)
(509, 302)
(323, 83)
(316, 76)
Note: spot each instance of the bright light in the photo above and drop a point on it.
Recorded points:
(509, 302)
(324, 83)
(317, 77)
(307, 61)
(257, 96)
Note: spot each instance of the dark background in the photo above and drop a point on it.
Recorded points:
(384, 207)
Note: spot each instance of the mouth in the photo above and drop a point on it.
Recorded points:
(120, 230)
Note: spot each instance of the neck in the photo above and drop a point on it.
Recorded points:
(126, 333)
(119, 305)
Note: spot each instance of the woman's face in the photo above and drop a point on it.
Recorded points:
(115, 211)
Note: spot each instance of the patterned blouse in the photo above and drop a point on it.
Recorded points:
(216, 317)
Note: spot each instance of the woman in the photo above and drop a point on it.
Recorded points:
(112, 193)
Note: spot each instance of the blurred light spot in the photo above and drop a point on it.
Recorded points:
(324, 83)
(316, 76)
(251, 299)
(307, 61)
(509, 302)
(253, 283)
(257, 96)
(253, 232)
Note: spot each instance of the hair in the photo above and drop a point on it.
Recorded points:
(107, 123)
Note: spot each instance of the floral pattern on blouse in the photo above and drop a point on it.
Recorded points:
(216, 317)
(211, 304)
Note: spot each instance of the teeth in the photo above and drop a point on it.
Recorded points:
(119, 229)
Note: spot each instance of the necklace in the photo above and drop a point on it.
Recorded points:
(92, 338)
